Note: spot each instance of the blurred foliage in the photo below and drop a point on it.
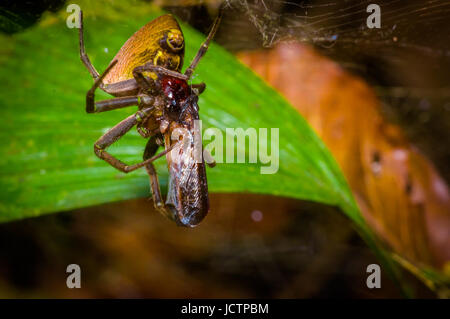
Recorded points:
(15, 16)
(296, 249)
(402, 196)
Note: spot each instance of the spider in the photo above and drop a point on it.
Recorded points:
(146, 72)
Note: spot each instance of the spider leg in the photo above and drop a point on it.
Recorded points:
(116, 133)
(121, 102)
(148, 67)
(204, 47)
(83, 55)
(143, 81)
(116, 103)
(150, 150)
(90, 96)
(91, 106)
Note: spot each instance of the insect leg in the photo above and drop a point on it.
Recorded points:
(83, 55)
(208, 158)
(204, 47)
(199, 88)
(149, 160)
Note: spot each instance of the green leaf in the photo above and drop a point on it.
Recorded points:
(48, 164)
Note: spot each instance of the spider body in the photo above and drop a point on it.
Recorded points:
(146, 73)
(160, 42)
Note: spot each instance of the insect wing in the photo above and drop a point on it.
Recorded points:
(188, 189)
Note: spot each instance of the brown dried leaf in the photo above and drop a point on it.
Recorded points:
(401, 194)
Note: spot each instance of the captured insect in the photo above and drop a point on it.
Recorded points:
(146, 72)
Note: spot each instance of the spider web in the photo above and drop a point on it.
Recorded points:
(340, 27)
(406, 60)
